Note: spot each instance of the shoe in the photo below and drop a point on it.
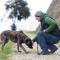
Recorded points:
(44, 53)
(54, 49)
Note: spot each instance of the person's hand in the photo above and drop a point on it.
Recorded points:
(44, 30)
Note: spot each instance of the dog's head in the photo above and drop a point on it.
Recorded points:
(29, 43)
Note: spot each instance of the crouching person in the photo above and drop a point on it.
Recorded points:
(49, 34)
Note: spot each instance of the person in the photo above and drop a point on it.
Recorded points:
(48, 35)
(13, 27)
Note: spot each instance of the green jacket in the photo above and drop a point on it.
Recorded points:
(49, 23)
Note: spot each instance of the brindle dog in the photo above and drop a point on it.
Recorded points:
(18, 37)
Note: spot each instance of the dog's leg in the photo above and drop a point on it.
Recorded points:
(18, 46)
(4, 42)
(3, 45)
(23, 49)
(18, 42)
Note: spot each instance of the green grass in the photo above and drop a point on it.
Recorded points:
(31, 34)
(59, 44)
(7, 50)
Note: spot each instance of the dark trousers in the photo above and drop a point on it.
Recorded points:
(46, 40)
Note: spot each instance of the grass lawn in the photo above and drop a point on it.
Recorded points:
(30, 34)
(7, 50)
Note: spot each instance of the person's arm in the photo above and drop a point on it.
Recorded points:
(51, 23)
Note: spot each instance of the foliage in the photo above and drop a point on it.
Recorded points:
(18, 8)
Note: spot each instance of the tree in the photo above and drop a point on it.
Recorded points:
(54, 10)
(19, 9)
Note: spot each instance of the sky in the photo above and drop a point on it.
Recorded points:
(29, 24)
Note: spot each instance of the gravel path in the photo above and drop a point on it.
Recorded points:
(32, 55)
